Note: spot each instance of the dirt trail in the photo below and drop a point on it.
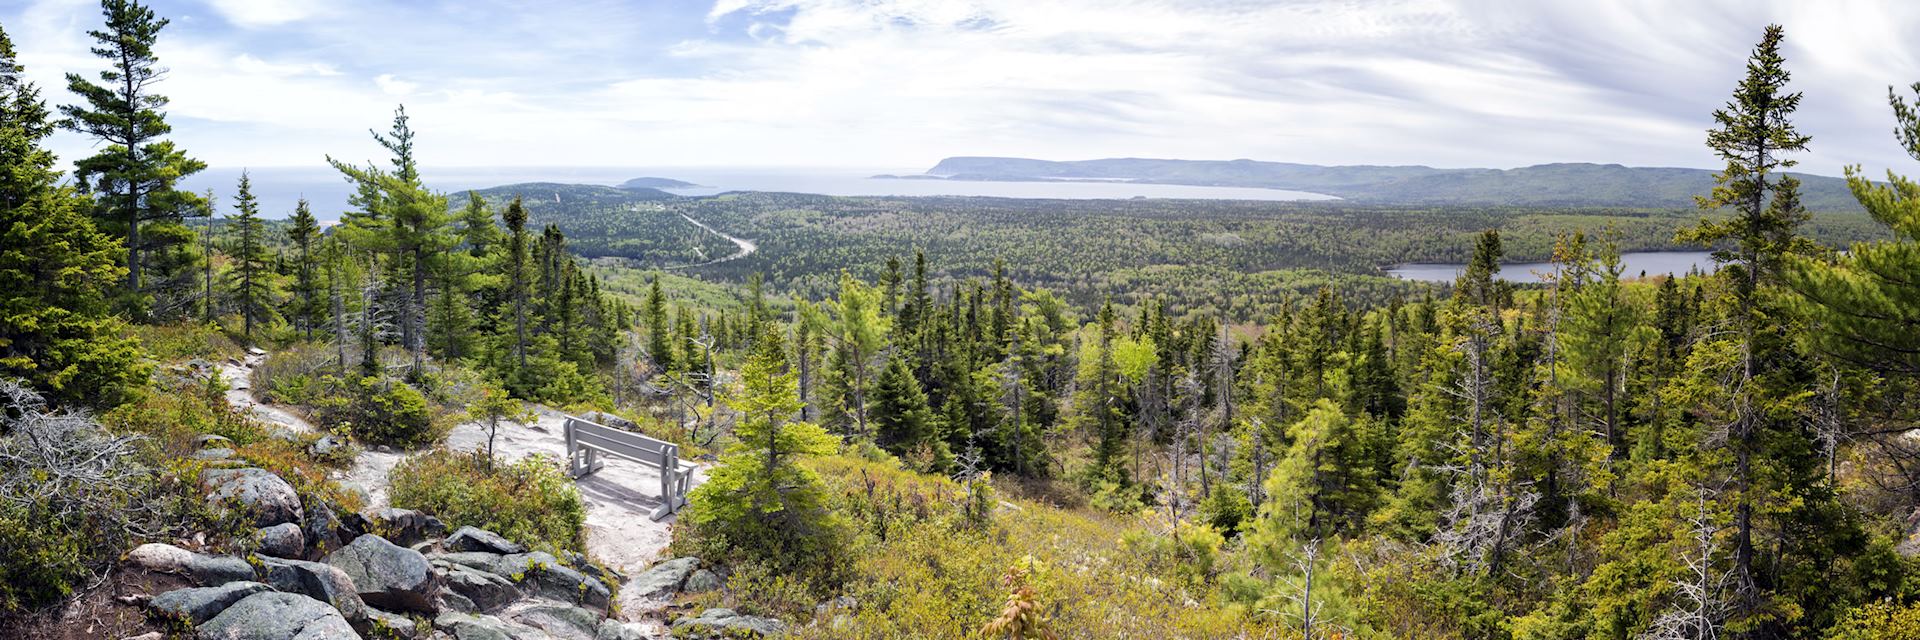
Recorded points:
(621, 532)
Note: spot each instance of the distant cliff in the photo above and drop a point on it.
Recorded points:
(1560, 184)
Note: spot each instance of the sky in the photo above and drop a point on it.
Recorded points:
(903, 83)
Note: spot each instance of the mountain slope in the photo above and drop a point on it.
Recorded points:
(1562, 184)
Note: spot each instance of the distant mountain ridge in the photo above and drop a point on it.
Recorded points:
(656, 183)
(1560, 184)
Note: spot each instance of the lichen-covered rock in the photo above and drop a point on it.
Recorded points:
(263, 495)
(284, 540)
(726, 623)
(316, 580)
(544, 575)
(702, 581)
(462, 626)
(327, 446)
(274, 615)
(204, 570)
(662, 580)
(472, 539)
(212, 441)
(387, 575)
(486, 591)
(199, 604)
(488, 562)
(325, 529)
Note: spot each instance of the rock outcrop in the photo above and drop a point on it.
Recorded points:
(387, 575)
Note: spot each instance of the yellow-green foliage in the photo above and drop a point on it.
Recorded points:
(530, 501)
(1879, 621)
(185, 341)
(919, 572)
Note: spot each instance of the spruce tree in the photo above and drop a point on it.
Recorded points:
(659, 329)
(304, 232)
(249, 283)
(902, 422)
(136, 171)
(56, 270)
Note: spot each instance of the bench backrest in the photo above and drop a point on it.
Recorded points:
(620, 442)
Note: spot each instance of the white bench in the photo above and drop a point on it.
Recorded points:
(586, 440)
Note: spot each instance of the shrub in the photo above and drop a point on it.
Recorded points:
(379, 410)
(531, 501)
(1879, 621)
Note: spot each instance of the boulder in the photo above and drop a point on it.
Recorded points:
(199, 604)
(581, 563)
(449, 600)
(269, 499)
(546, 576)
(664, 579)
(488, 562)
(472, 539)
(319, 581)
(483, 590)
(462, 626)
(610, 420)
(726, 623)
(388, 576)
(284, 540)
(274, 615)
(216, 453)
(325, 529)
(703, 581)
(404, 526)
(203, 569)
(211, 441)
(558, 620)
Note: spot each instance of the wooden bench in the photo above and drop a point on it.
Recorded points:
(586, 440)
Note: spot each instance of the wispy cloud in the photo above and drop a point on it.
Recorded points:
(904, 82)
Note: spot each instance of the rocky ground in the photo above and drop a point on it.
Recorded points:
(317, 574)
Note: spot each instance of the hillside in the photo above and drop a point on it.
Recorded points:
(625, 222)
(1559, 184)
(646, 183)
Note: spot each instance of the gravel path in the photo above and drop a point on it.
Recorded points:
(621, 532)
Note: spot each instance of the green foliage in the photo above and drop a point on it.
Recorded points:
(761, 505)
(1879, 621)
(378, 410)
(531, 501)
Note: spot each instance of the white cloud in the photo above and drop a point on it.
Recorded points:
(264, 13)
(904, 82)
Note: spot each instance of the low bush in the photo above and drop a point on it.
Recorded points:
(531, 501)
(378, 410)
(186, 341)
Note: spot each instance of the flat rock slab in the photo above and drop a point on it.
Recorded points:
(274, 615)
(199, 604)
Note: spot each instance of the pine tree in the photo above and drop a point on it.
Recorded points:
(136, 172)
(1863, 302)
(517, 266)
(56, 331)
(249, 283)
(659, 330)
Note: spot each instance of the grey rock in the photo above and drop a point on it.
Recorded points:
(581, 563)
(472, 539)
(199, 604)
(404, 526)
(212, 570)
(284, 540)
(462, 626)
(610, 420)
(387, 575)
(324, 529)
(486, 591)
(392, 625)
(488, 562)
(274, 615)
(454, 601)
(316, 580)
(611, 629)
(703, 581)
(559, 620)
(327, 445)
(210, 441)
(216, 453)
(160, 558)
(726, 623)
(269, 499)
(546, 576)
(664, 579)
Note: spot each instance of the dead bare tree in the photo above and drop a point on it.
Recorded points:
(1702, 606)
(67, 472)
